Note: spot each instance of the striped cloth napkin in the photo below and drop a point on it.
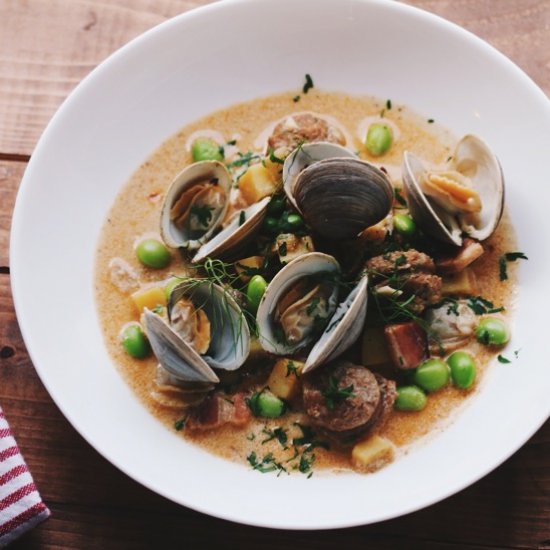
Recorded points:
(21, 507)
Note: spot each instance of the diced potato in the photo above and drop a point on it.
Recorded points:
(256, 183)
(371, 454)
(289, 246)
(374, 349)
(275, 168)
(252, 262)
(284, 380)
(149, 298)
(462, 284)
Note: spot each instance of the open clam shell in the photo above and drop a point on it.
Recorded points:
(230, 343)
(195, 204)
(345, 319)
(338, 194)
(473, 160)
(228, 242)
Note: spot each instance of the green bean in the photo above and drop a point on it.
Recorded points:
(153, 253)
(432, 375)
(492, 331)
(404, 224)
(135, 342)
(379, 139)
(463, 369)
(206, 149)
(410, 398)
(255, 290)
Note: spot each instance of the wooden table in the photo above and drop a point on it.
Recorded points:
(46, 48)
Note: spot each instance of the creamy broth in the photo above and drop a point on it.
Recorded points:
(135, 213)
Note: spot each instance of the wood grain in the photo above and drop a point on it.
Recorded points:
(46, 48)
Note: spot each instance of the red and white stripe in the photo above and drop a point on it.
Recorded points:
(21, 507)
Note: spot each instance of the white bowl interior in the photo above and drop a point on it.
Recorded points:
(211, 58)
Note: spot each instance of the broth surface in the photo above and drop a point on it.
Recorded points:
(136, 212)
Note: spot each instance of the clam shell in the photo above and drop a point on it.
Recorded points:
(193, 174)
(474, 159)
(305, 155)
(308, 264)
(343, 329)
(341, 197)
(230, 344)
(228, 242)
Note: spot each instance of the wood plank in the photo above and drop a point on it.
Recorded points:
(10, 177)
(91, 498)
(48, 46)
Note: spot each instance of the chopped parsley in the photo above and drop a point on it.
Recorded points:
(431, 121)
(202, 213)
(296, 98)
(242, 217)
(308, 438)
(502, 359)
(244, 159)
(251, 437)
(388, 104)
(278, 433)
(334, 395)
(399, 197)
(308, 84)
(291, 368)
(481, 306)
(180, 424)
(232, 142)
(306, 462)
(266, 465)
(508, 257)
(274, 158)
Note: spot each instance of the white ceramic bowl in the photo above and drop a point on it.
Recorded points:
(208, 59)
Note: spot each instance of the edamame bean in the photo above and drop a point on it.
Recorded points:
(276, 205)
(267, 405)
(404, 224)
(492, 331)
(410, 398)
(463, 369)
(153, 253)
(432, 375)
(294, 221)
(206, 149)
(255, 290)
(379, 139)
(135, 342)
(270, 225)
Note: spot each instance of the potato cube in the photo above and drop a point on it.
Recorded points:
(275, 168)
(256, 183)
(246, 266)
(463, 283)
(284, 380)
(374, 349)
(372, 453)
(149, 297)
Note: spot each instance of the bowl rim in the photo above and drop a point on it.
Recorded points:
(24, 190)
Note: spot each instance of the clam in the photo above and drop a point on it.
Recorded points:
(205, 330)
(338, 194)
(301, 307)
(195, 204)
(465, 198)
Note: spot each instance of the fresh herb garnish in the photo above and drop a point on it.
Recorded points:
(306, 462)
(244, 159)
(308, 438)
(291, 368)
(232, 142)
(242, 217)
(399, 197)
(282, 249)
(158, 309)
(251, 437)
(308, 84)
(296, 98)
(508, 257)
(278, 433)
(202, 213)
(180, 424)
(502, 359)
(274, 158)
(266, 465)
(388, 104)
(481, 306)
(431, 121)
(516, 353)
(334, 395)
